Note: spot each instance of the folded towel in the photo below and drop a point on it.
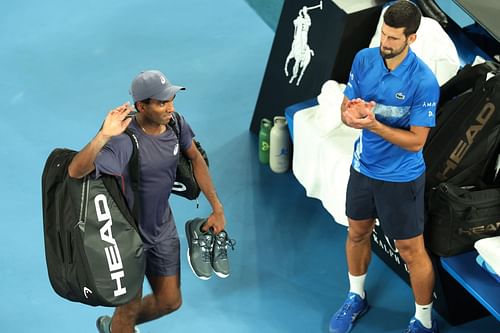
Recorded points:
(323, 148)
(327, 117)
(484, 265)
(489, 249)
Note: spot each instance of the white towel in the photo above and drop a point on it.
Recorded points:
(484, 265)
(323, 148)
(327, 117)
(489, 249)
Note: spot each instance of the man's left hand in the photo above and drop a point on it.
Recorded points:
(216, 221)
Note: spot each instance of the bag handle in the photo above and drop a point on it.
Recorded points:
(470, 212)
(494, 69)
(451, 189)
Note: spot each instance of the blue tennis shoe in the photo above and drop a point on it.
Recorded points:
(416, 326)
(353, 308)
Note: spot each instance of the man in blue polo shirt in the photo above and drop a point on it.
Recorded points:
(392, 96)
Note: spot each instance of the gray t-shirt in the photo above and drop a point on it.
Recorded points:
(158, 155)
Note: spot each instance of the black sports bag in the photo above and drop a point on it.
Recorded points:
(458, 217)
(93, 249)
(185, 184)
(464, 145)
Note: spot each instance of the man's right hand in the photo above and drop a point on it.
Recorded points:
(116, 121)
(115, 124)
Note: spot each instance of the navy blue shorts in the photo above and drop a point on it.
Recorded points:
(399, 207)
(163, 259)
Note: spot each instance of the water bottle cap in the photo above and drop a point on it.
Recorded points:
(280, 121)
(264, 122)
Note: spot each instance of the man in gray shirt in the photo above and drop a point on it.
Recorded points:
(109, 153)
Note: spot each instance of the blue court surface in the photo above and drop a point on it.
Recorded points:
(65, 64)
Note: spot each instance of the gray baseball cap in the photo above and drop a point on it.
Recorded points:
(152, 84)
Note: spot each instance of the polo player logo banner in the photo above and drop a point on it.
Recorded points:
(300, 51)
(315, 41)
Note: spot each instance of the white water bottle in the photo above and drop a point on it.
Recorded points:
(279, 151)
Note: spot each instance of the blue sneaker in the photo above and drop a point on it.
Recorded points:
(417, 327)
(353, 308)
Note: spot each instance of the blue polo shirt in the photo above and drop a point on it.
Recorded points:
(406, 96)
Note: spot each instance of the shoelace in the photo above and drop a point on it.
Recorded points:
(410, 327)
(345, 308)
(223, 242)
(206, 242)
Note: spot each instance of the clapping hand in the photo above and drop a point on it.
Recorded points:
(359, 114)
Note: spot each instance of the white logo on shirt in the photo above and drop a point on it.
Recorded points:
(429, 104)
(176, 149)
(431, 113)
(400, 95)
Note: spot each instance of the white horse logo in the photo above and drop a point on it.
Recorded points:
(300, 50)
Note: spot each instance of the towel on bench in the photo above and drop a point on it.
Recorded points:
(489, 250)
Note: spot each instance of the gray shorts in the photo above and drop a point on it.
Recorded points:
(398, 206)
(163, 258)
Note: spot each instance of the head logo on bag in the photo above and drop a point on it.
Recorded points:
(465, 143)
(86, 292)
(112, 252)
(179, 187)
(487, 229)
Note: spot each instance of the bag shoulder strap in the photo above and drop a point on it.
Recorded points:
(133, 167)
(175, 125)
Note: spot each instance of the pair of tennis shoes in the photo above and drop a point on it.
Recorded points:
(207, 252)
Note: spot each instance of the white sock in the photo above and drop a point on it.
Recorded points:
(424, 314)
(357, 284)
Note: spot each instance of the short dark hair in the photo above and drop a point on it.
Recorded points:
(145, 101)
(403, 14)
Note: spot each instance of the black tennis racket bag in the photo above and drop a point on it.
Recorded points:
(185, 184)
(463, 147)
(93, 249)
(458, 217)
